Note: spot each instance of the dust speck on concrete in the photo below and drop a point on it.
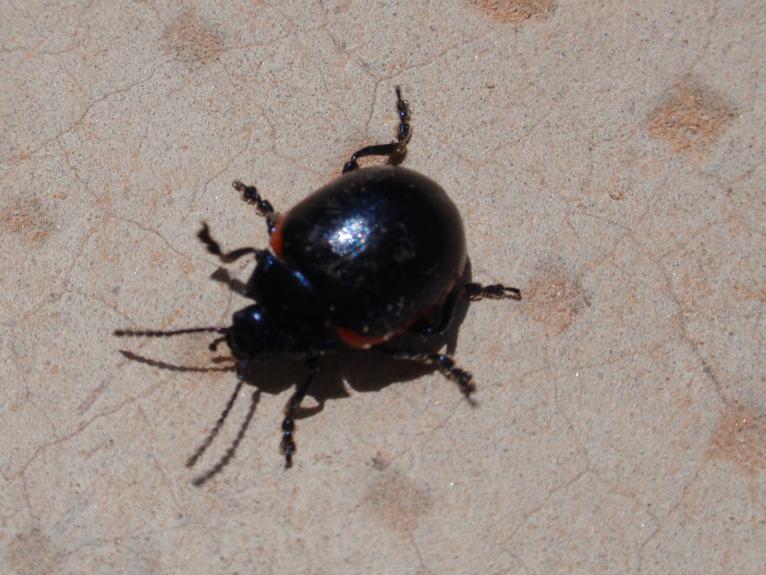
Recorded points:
(690, 119)
(515, 11)
(380, 461)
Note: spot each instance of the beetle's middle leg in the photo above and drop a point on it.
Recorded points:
(437, 323)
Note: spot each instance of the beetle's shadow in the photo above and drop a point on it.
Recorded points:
(340, 375)
(360, 370)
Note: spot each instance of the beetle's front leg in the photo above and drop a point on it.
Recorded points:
(288, 423)
(215, 248)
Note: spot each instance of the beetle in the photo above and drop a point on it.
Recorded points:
(376, 254)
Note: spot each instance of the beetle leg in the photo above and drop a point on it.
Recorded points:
(395, 148)
(287, 445)
(215, 248)
(495, 291)
(444, 363)
(427, 328)
(263, 207)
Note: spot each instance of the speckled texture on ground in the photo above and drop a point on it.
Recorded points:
(608, 158)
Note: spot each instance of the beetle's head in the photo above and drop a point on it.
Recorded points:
(252, 335)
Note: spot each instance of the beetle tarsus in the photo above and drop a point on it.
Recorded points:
(477, 291)
(263, 207)
(287, 446)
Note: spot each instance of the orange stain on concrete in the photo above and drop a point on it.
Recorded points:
(28, 219)
(555, 298)
(741, 439)
(690, 119)
(515, 11)
(398, 502)
(192, 40)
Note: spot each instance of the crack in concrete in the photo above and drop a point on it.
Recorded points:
(40, 449)
(88, 108)
(526, 517)
(659, 524)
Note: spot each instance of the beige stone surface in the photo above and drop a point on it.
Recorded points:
(608, 159)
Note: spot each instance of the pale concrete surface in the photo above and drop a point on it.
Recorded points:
(608, 158)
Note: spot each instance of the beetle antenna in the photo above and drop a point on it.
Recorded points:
(173, 367)
(229, 455)
(217, 427)
(166, 333)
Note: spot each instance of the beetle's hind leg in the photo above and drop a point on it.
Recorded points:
(395, 148)
(263, 207)
(444, 363)
(287, 446)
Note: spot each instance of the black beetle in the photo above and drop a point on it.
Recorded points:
(374, 255)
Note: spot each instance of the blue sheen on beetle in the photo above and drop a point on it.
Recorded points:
(350, 239)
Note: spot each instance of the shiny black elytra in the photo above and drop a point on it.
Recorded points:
(373, 256)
